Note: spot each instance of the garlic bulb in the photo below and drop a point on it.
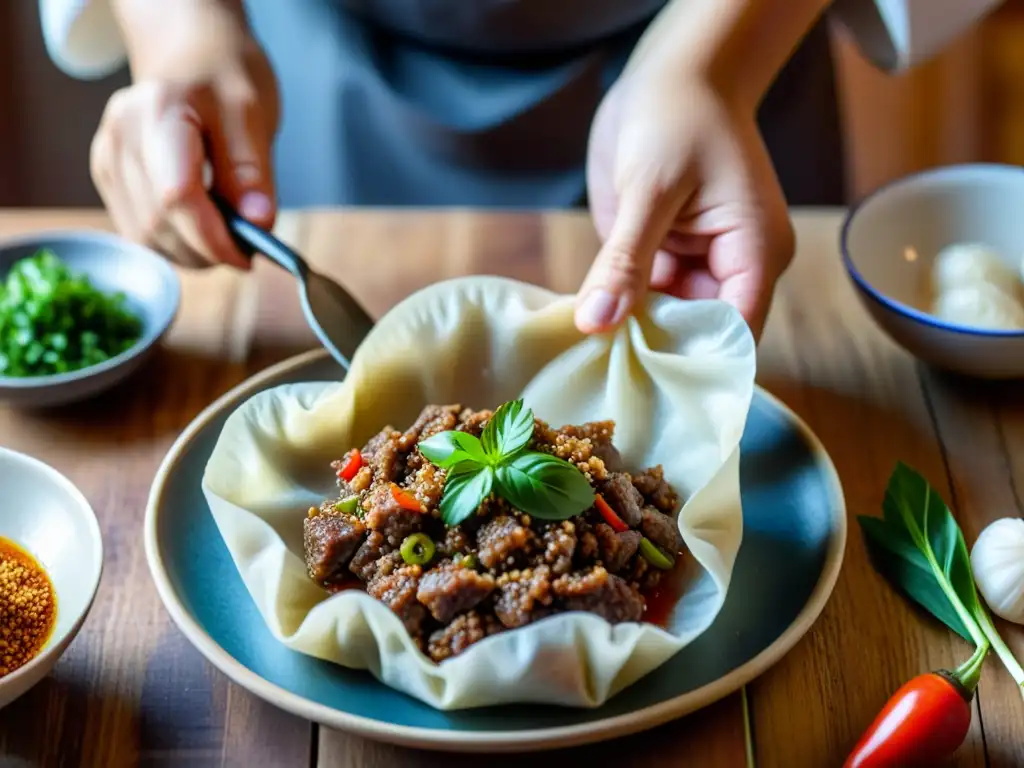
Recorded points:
(998, 563)
(961, 265)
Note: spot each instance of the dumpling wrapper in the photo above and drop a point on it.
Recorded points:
(677, 379)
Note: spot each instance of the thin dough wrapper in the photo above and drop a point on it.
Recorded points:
(678, 381)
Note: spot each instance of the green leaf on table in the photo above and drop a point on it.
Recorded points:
(918, 546)
(545, 486)
(896, 557)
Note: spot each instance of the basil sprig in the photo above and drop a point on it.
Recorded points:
(919, 548)
(539, 484)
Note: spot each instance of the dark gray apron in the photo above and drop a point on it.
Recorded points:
(488, 102)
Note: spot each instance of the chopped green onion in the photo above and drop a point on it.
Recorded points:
(654, 555)
(55, 321)
(466, 561)
(348, 505)
(417, 549)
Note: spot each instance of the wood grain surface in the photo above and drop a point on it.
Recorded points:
(132, 691)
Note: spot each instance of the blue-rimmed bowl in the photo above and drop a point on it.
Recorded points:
(152, 291)
(891, 238)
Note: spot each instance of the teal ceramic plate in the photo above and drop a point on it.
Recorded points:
(793, 539)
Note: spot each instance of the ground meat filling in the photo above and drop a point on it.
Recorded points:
(525, 596)
(624, 498)
(449, 589)
(661, 529)
(330, 541)
(389, 518)
(397, 590)
(609, 596)
(500, 569)
(501, 540)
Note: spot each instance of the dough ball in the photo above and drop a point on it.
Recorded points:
(965, 264)
(981, 306)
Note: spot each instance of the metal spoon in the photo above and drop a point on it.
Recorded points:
(335, 316)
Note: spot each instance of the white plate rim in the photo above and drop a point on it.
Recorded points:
(480, 741)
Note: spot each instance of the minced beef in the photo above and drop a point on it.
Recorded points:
(397, 590)
(500, 540)
(609, 596)
(386, 516)
(525, 596)
(464, 630)
(652, 486)
(449, 589)
(624, 498)
(661, 529)
(330, 541)
(500, 569)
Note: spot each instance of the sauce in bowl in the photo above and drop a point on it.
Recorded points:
(28, 607)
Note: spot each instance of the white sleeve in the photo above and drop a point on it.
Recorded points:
(82, 37)
(897, 34)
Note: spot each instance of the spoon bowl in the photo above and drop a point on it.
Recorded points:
(334, 315)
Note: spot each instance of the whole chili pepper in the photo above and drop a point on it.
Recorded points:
(924, 721)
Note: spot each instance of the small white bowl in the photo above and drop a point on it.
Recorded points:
(43, 513)
(890, 239)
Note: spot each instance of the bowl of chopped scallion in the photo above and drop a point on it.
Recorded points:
(79, 312)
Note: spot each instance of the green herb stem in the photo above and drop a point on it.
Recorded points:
(976, 632)
(1002, 651)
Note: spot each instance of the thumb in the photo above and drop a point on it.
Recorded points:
(240, 153)
(619, 276)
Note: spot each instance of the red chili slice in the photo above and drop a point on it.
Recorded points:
(351, 466)
(609, 514)
(406, 500)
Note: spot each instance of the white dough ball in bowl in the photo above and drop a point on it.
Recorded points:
(981, 305)
(965, 264)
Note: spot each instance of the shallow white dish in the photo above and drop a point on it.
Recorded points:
(46, 515)
(889, 242)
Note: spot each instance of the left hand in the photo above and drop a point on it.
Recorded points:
(685, 198)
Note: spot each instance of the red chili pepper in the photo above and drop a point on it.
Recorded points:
(406, 500)
(923, 722)
(609, 514)
(351, 466)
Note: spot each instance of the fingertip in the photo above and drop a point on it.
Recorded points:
(665, 270)
(600, 310)
(258, 207)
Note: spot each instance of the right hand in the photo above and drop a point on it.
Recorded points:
(211, 100)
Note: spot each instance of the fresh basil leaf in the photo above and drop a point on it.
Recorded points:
(544, 486)
(508, 430)
(489, 438)
(464, 493)
(448, 449)
(911, 503)
(898, 559)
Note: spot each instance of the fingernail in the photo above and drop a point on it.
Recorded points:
(601, 308)
(255, 206)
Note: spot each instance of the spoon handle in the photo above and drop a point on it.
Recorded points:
(252, 239)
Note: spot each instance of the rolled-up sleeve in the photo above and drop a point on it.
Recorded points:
(897, 34)
(82, 37)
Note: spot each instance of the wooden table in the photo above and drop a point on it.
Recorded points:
(132, 691)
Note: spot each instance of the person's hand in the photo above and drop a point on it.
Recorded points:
(203, 93)
(684, 196)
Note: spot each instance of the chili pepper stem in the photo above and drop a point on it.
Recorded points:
(1002, 651)
(969, 673)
